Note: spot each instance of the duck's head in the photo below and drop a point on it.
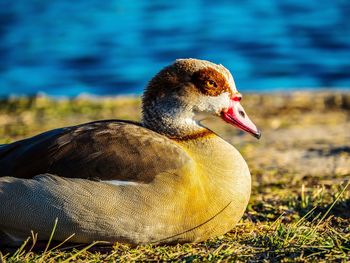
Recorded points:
(189, 87)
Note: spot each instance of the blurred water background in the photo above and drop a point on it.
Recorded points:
(65, 48)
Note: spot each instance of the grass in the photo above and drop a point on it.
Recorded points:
(300, 205)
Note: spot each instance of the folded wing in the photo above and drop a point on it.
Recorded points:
(102, 150)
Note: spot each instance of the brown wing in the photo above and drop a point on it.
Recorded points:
(102, 150)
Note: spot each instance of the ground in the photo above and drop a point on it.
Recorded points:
(299, 210)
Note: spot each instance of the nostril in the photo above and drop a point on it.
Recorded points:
(241, 113)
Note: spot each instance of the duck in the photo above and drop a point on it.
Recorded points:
(166, 179)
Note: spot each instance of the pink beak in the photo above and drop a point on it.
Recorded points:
(236, 116)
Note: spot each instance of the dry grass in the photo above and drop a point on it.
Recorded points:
(300, 205)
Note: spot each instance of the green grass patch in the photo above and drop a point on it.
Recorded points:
(300, 205)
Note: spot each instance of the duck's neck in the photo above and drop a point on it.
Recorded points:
(173, 122)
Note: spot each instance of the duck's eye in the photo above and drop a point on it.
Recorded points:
(210, 84)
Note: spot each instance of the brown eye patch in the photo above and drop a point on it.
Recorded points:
(210, 82)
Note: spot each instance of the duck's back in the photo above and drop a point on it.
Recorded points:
(103, 150)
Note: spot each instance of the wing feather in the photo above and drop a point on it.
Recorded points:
(102, 150)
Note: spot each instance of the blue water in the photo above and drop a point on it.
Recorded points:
(115, 47)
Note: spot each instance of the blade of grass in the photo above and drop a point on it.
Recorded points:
(34, 240)
(20, 250)
(2, 258)
(83, 250)
(64, 241)
(332, 205)
(49, 241)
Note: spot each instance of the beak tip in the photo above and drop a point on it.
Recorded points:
(257, 134)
